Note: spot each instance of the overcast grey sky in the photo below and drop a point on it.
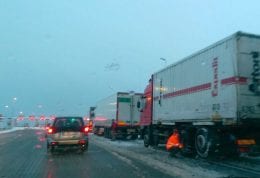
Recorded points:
(67, 54)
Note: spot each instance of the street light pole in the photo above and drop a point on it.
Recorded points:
(13, 109)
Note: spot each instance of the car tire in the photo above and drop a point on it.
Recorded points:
(83, 150)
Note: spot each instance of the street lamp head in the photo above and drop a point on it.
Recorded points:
(163, 59)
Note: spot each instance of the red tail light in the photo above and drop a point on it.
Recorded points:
(51, 130)
(86, 129)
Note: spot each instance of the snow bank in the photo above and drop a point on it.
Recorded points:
(18, 128)
(158, 159)
(11, 130)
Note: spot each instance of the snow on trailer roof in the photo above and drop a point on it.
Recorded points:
(118, 93)
(235, 35)
(129, 93)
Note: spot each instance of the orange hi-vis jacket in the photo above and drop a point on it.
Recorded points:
(173, 141)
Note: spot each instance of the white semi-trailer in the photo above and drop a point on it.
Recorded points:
(211, 97)
(120, 108)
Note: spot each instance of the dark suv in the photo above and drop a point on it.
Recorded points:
(67, 131)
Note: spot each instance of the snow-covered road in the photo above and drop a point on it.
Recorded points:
(18, 128)
(177, 167)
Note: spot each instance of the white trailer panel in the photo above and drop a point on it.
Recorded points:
(220, 83)
(121, 107)
(105, 111)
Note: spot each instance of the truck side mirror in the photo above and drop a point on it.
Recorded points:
(139, 106)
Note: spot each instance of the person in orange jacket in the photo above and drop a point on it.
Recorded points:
(174, 143)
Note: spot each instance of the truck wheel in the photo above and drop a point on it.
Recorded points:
(146, 139)
(109, 133)
(105, 133)
(155, 138)
(113, 135)
(203, 142)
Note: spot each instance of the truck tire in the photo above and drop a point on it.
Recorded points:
(113, 134)
(109, 133)
(146, 138)
(156, 138)
(106, 133)
(203, 142)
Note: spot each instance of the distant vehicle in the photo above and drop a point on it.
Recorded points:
(119, 110)
(67, 132)
(212, 98)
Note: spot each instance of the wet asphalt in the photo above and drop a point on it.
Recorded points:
(23, 154)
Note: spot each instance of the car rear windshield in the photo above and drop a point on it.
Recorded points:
(68, 123)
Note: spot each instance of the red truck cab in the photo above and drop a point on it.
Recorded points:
(146, 106)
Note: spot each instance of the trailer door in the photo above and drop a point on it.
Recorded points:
(123, 110)
(248, 79)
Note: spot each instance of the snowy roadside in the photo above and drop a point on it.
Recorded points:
(18, 128)
(157, 159)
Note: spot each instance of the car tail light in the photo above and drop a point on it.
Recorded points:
(51, 130)
(54, 143)
(86, 129)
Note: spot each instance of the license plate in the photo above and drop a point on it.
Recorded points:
(67, 134)
(63, 134)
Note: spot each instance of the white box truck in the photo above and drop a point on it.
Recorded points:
(120, 108)
(211, 97)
